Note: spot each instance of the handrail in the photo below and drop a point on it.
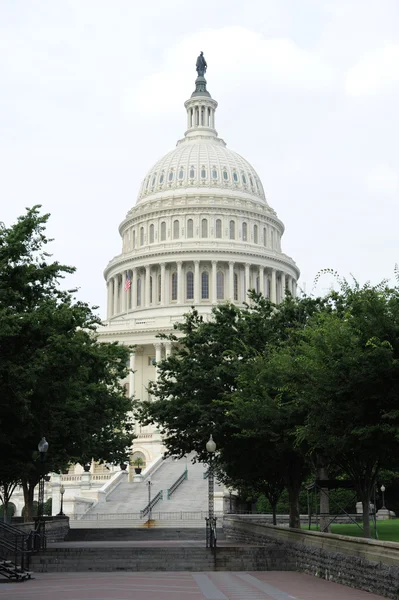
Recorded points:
(178, 482)
(151, 504)
(18, 545)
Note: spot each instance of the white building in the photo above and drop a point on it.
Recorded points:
(201, 233)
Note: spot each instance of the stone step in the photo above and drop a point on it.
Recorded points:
(144, 534)
(242, 558)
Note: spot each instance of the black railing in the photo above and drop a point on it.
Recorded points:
(178, 482)
(16, 548)
(151, 504)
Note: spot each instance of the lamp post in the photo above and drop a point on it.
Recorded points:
(40, 525)
(62, 492)
(211, 521)
(149, 485)
(382, 488)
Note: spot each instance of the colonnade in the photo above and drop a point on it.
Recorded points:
(193, 282)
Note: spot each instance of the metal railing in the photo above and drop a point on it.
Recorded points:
(198, 515)
(177, 483)
(16, 548)
(148, 509)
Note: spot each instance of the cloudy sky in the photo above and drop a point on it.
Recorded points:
(92, 94)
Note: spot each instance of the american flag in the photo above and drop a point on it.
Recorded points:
(128, 282)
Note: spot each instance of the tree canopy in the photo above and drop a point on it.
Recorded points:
(56, 379)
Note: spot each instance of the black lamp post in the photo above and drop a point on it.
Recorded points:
(211, 520)
(62, 492)
(149, 485)
(382, 488)
(40, 525)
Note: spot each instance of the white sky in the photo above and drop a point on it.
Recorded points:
(92, 94)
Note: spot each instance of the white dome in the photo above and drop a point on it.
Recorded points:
(201, 163)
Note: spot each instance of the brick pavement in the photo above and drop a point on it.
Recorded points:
(274, 585)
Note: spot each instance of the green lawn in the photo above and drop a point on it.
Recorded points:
(387, 530)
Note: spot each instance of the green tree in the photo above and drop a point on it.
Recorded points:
(56, 379)
(345, 373)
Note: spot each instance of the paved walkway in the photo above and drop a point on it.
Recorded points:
(274, 585)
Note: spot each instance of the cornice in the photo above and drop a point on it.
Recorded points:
(124, 262)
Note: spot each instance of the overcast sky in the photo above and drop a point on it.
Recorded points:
(92, 95)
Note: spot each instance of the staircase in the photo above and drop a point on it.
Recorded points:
(125, 506)
(15, 550)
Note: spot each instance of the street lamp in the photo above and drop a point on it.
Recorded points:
(62, 492)
(40, 525)
(211, 520)
(382, 488)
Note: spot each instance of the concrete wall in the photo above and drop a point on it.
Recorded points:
(57, 528)
(365, 564)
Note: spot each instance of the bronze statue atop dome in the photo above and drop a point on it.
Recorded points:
(201, 65)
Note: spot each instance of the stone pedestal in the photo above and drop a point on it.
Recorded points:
(384, 514)
(137, 478)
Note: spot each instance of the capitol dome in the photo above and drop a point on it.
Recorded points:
(201, 233)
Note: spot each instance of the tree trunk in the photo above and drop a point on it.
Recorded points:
(366, 515)
(28, 489)
(293, 498)
(274, 505)
(322, 474)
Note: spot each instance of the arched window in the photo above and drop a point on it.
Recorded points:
(151, 233)
(154, 178)
(174, 286)
(225, 175)
(214, 174)
(205, 285)
(235, 177)
(181, 173)
(151, 282)
(192, 173)
(255, 234)
(159, 288)
(244, 232)
(250, 181)
(141, 236)
(203, 173)
(190, 228)
(190, 285)
(235, 286)
(204, 228)
(220, 285)
(176, 230)
(161, 177)
(232, 230)
(163, 231)
(264, 236)
(147, 182)
(219, 228)
(134, 238)
(170, 176)
(139, 291)
(244, 179)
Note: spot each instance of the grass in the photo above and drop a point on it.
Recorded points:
(388, 531)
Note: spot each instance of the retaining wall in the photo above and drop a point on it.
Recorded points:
(365, 564)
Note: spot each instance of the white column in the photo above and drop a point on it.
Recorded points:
(282, 286)
(179, 282)
(123, 293)
(214, 265)
(116, 295)
(168, 349)
(134, 288)
(273, 287)
(262, 281)
(288, 280)
(147, 287)
(162, 284)
(109, 298)
(247, 282)
(231, 281)
(196, 281)
(158, 356)
(132, 366)
(294, 287)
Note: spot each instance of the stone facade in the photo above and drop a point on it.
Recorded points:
(368, 565)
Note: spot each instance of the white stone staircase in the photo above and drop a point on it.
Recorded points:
(188, 503)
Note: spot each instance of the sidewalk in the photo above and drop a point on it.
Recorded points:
(262, 585)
